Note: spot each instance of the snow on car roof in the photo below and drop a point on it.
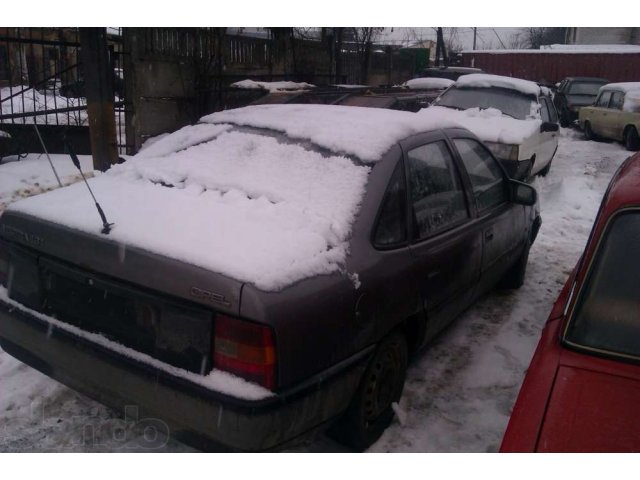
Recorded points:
(366, 133)
(428, 83)
(490, 124)
(244, 205)
(484, 80)
(272, 86)
(623, 86)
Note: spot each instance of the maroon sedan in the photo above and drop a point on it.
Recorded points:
(582, 389)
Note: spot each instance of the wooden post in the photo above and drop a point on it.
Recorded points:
(98, 79)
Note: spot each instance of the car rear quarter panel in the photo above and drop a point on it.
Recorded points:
(325, 319)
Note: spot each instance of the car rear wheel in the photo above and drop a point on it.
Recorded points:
(371, 411)
(631, 139)
(588, 133)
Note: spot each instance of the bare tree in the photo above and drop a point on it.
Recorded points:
(363, 39)
(535, 37)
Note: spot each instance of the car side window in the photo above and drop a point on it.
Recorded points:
(437, 196)
(603, 100)
(551, 111)
(486, 176)
(544, 110)
(391, 228)
(617, 99)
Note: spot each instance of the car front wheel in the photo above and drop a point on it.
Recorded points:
(631, 139)
(588, 133)
(371, 411)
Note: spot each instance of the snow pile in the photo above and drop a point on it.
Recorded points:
(31, 100)
(272, 86)
(243, 205)
(631, 94)
(490, 125)
(428, 83)
(484, 80)
(33, 175)
(364, 132)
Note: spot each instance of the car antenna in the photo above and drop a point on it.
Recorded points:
(106, 226)
(47, 153)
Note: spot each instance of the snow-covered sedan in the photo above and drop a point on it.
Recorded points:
(268, 271)
(582, 389)
(515, 118)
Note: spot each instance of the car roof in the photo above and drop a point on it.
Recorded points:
(485, 80)
(366, 133)
(622, 86)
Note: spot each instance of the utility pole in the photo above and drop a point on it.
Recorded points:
(475, 33)
(98, 79)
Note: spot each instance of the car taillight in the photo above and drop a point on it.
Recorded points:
(4, 263)
(245, 349)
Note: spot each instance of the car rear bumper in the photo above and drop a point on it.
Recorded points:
(191, 412)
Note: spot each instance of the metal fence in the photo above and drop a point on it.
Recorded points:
(41, 82)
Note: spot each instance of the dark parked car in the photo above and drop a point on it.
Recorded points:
(269, 271)
(582, 389)
(398, 98)
(573, 94)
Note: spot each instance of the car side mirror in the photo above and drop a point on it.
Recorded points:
(549, 127)
(523, 193)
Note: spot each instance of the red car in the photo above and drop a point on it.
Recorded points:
(582, 390)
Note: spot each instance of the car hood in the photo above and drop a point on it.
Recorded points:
(490, 125)
(591, 411)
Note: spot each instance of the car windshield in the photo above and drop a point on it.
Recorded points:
(509, 102)
(607, 313)
(584, 88)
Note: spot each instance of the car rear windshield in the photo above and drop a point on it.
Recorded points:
(509, 102)
(607, 313)
(584, 88)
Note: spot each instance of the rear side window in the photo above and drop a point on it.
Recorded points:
(603, 100)
(607, 314)
(548, 111)
(391, 229)
(487, 178)
(617, 99)
(437, 196)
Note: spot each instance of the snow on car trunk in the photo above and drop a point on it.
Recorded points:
(249, 206)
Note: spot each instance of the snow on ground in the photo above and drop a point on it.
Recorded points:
(459, 391)
(32, 100)
(33, 175)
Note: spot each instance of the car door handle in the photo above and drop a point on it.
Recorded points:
(432, 275)
(488, 235)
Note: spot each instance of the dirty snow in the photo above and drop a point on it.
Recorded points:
(366, 133)
(428, 83)
(489, 124)
(243, 205)
(31, 100)
(33, 175)
(459, 391)
(272, 86)
(485, 80)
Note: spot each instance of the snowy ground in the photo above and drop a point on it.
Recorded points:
(459, 391)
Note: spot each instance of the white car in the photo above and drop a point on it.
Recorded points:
(515, 118)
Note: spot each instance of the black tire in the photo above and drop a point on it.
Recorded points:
(588, 133)
(514, 278)
(631, 139)
(545, 170)
(564, 119)
(370, 412)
